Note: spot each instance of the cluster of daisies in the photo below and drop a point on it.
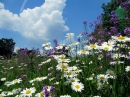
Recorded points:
(70, 72)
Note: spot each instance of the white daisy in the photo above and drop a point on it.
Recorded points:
(127, 68)
(28, 92)
(41, 94)
(77, 86)
(65, 95)
(102, 77)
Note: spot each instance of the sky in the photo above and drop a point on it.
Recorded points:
(30, 23)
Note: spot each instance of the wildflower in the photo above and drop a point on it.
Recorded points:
(127, 69)
(59, 47)
(90, 78)
(69, 74)
(2, 94)
(65, 95)
(120, 38)
(106, 48)
(110, 74)
(82, 52)
(62, 59)
(46, 44)
(71, 80)
(28, 92)
(16, 81)
(48, 47)
(128, 57)
(92, 46)
(62, 66)
(102, 77)
(84, 22)
(3, 79)
(77, 86)
(41, 94)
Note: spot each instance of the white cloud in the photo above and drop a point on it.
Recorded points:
(40, 23)
(1, 5)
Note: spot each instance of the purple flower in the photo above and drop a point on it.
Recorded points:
(128, 58)
(113, 12)
(127, 31)
(127, 18)
(52, 88)
(99, 41)
(99, 16)
(24, 76)
(91, 25)
(5, 73)
(78, 39)
(84, 22)
(113, 29)
(55, 41)
(109, 55)
(126, 4)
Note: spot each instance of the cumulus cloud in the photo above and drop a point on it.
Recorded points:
(40, 23)
(1, 5)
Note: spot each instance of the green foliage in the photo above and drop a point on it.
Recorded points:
(6, 47)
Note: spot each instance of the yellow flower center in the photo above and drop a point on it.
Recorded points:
(63, 66)
(68, 73)
(28, 91)
(72, 80)
(121, 37)
(108, 44)
(106, 48)
(0, 95)
(102, 78)
(15, 80)
(111, 73)
(41, 94)
(92, 46)
(83, 51)
(77, 86)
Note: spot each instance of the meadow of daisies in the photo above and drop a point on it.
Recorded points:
(94, 70)
(96, 65)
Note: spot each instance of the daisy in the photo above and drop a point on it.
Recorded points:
(65, 95)
(41, 94)
(60, 60)
(59, 47)
(107, 48)
(82, 52)
(69, 74)
(28, 92)
(77, 86)
(127, 68)
(110, 74)
(46, 44)
(3, 79)
(62, 66)
(72, 68)
(48, 47)
(120, 38)
(71, 80)
(16, 81)
(2, 94)
(102, 77)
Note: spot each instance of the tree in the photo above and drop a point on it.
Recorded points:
(6, 47)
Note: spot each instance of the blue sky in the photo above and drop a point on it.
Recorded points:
(32, 22)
